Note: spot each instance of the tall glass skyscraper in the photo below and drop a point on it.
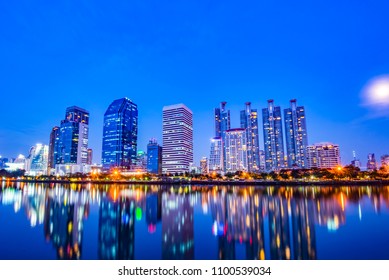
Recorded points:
(296, 135)
(154, 157)
(73, 137)
(177, 129)
(249, 122)
(120, 135)
(273, 139)
(222, 124)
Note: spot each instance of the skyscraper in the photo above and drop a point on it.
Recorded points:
(38, 160)
(90, 156)
(154, 157)
(177, 150)
(323, 155)
(296, 135)
(236, 150)
(222, 124)
(204, 165)
(120, 134)
(249, 122)
(273, 139)
(73, 137)
(371, 162)
(216, 155)
(53, 147)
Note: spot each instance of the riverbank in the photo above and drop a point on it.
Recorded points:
(214, 182)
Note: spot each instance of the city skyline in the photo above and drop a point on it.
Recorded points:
(158, 54)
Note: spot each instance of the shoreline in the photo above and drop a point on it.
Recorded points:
(207, 183)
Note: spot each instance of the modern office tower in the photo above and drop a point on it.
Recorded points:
(222, 120)
(177, 148)
(216, 155)
(141, 162)
(204, 165)
(222, 124)
(249, 121)
(53, 147)
(323, 155)
(385, 161)
(296, 135)
(120, 135)
(355, 162)
(273, 139)
(73, 137)
(371, 162)
(38, 160)
(90, 156)
(236, 150)
(154, 157)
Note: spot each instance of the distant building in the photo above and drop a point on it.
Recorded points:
(371, 162)
(3, 162)
(73, 137)
(249, 121)
(154, 157)
(37, 162)
(356, 162)
(216, 156)
(120, 135)
(385, 161)
(236, 150)
(177, 147)
(262, 161)
(141, 161)
(323, 155)
(204, 165)
(273, 137)
(90, 156)
(17, 164)
(296, 135)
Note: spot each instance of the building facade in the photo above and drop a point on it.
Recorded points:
(204, 165)
(273, 137)
(236, 150)
(371, 162)
(216, 155)
(296, 135)
(53, 147)
(120, 135)
(73, 137)
(37, 162)
(249, 122)
(177, 147)
(222, 124)
(154, 157)
(323, 155)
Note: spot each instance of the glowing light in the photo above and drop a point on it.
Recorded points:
(376, 92)
(138, 213)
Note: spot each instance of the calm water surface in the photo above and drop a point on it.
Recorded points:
(55, 221)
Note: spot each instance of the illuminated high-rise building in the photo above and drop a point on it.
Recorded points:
(177, 147)
(249, 121)
(323, 155)
(236, 150)
(296, 135)
(216, 155)
(371, 162)
(273, 137)
(154, 157)
(73, 137)
(204, 165)
(53, 147)
(38, 160)
(222, 124)
(120, 135)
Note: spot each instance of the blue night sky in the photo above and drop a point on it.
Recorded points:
(56, 54)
